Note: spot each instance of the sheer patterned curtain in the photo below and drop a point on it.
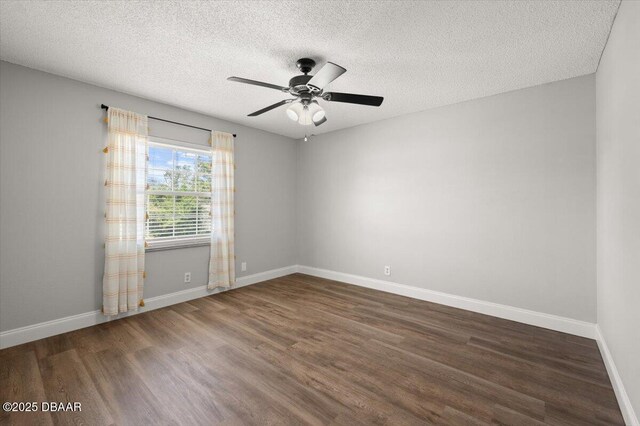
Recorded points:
(125, 215)
(222, 271)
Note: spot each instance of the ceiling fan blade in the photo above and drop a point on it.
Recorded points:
(351, 98)
(319, 122)
(326, 75)
(270, 107)
(258, 83)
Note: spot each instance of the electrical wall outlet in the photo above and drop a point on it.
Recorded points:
(243, 266)
(187, 277)
(387, 270)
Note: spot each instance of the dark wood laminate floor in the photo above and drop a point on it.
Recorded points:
(304, 350)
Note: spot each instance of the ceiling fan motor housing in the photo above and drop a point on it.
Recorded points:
(298, 84)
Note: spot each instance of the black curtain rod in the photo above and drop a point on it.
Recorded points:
(103, 106)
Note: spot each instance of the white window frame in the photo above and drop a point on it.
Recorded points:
(167, 243)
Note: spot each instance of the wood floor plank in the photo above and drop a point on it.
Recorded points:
(453, 417)
(464, 387)
(66, 380)
(364, 402)
(305, 350)
(505, 416)
(22, 382)
(277, 387)
(578, 370)
(128, 398)
(242, 399)
(167, 383)
(518, 375)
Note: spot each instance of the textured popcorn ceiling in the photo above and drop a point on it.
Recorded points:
(417, 55)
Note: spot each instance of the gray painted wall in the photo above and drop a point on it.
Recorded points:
(618, 230)
(492, 199)
(51, 197)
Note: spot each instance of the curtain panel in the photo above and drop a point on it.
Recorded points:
(126, 180)
(222, 271)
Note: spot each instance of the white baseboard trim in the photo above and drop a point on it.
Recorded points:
(628, 413)
(266, 275)
(41, 330)
(539, 319)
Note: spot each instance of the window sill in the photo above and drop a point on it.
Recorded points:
(177, 244)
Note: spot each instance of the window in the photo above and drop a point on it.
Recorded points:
(178, 195)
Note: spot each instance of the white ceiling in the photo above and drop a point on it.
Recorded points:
(417, 55)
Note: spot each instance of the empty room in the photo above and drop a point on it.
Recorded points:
(320, 212)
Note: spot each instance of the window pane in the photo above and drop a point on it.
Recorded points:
(185, 161)
(186, 206)
(160, 205)
(204, 225)
(184, 181)
(160, 227)
(175, 170)
(204, 163)
(160, 211)
(204, 217)
(204, 183)
(204, 206)
(185, 225)
(160, 158)
(159, 180)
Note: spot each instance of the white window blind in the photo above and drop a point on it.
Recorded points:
(178, 195)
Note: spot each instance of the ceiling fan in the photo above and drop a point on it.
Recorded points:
(307, 89)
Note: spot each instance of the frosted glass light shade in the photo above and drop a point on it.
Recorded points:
(295, 111)
(317, 113)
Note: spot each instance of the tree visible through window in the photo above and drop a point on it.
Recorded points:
(178, 194)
